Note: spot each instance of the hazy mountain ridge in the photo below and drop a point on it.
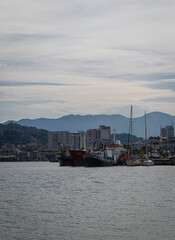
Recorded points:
(119, 122)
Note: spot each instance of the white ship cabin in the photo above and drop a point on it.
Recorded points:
(99, 153)
(116, 149)
(107, 153)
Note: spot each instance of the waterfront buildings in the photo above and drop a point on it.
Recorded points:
(52, 140)
(167, 131)
(104, 134)
(58, 139)
(64, 139)
(77, 140)
(97, 138)
(90, 139)
(164, 145)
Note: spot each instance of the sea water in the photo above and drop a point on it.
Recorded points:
(41, 200)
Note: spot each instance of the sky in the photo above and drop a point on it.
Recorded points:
(61, 57)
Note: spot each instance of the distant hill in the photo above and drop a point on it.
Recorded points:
(16, 134)
(120, 123)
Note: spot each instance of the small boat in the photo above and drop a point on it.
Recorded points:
(155, 154)
(133, 162)
(148, 162)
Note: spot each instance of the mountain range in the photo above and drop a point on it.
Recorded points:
(72, 123)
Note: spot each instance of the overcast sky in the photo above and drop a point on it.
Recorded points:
(60, 57)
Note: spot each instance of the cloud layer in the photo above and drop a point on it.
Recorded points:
(79, 57)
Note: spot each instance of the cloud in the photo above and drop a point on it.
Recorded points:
(21, 37)
(19, 84)
(163, 85)
(86, 57)
(161, 100)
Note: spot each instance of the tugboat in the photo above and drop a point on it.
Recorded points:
(99, 158)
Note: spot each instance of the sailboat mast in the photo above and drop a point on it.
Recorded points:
(114, 135)
(146, 137)
(131, 132)
(130, 148)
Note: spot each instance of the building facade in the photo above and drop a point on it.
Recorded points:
(104, 134)
(77, 140)
(92, 138)
(167, 131)
(58, 139)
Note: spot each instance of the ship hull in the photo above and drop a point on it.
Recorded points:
(77, 156)
(67, 161)
(121, 162)
(147, 163)
(94, 161)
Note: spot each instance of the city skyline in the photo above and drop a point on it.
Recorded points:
(77, 57)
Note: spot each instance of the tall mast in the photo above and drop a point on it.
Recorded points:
(114, 135)
(131, 132)
(146, 137)
(130, 150)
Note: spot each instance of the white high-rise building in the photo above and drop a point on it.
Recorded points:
(92, 138)
(58, 139)
(52, 140)
(104, 133)
(77, 140)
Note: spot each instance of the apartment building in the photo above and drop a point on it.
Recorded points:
(93, 138)
(58, 139)
(167, 131)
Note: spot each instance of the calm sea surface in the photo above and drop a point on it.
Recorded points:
(45, 201)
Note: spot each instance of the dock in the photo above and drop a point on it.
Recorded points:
(164, 161)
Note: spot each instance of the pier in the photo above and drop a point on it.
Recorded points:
(164, 161)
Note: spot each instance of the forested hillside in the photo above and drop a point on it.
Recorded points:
(16, 134)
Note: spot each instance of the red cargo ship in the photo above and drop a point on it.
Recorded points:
(75, 159)
(77, 156)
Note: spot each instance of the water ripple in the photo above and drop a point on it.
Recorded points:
(44, 201)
